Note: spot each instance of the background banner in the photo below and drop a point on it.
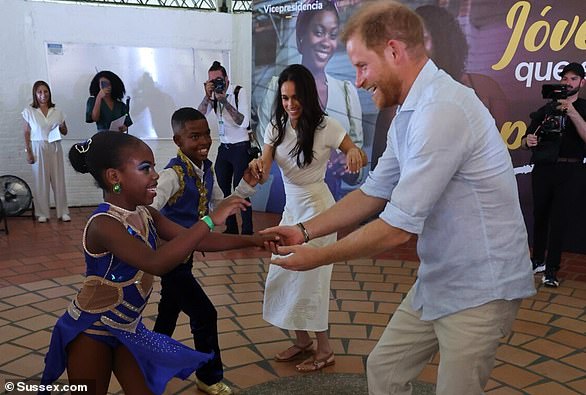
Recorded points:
(503, 49)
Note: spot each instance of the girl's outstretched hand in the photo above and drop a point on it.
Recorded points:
(263, 241)
(286, 235)
(227, 207)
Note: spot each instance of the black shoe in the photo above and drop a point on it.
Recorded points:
(550, 280)
(538, 265)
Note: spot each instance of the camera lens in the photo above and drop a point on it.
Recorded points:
(219, 85)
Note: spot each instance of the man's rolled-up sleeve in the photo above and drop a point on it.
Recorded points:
(381, 181)
(435, 145)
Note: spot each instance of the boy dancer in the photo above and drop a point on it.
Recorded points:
(185, 190)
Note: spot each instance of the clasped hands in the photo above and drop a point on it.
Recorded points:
(257, 170)
(289, 242)
(283, 240)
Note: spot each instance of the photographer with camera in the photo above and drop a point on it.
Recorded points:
(556, 136)
(233, 112)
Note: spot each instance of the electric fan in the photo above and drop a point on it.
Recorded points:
(15, 195)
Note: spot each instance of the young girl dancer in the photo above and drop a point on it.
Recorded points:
(299, 139)
(101, 332)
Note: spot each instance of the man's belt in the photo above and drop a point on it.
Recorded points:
(570, 160)
(240, 143)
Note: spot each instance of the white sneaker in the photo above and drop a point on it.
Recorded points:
(65, 218)
(42, 219)
(550, 280)
(540, 268)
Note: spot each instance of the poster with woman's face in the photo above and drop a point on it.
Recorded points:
(286, 32)
(307, 33)
(504, 50)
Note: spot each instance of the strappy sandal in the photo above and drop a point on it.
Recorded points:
(298, 352)
(312, 364)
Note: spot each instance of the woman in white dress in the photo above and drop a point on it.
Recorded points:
(299, 139)
(316, 38)
(43, 126)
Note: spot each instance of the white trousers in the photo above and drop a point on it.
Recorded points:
(467, 342)
(48, 172)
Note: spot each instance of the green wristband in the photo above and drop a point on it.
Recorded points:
(208, 222)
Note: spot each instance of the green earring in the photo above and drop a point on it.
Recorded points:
(117, 188)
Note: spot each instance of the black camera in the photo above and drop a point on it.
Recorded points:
(219, 85)
(555, 118)
(555, 91)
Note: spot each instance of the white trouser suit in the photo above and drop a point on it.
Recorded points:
(49, 172)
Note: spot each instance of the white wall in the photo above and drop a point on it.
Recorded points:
(27, 26)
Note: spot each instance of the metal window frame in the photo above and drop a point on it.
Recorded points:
(200, 5)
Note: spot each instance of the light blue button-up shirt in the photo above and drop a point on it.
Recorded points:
(448, 177)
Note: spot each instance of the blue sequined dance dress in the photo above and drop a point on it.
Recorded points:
(108, 308)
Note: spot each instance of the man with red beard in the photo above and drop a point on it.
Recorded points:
(446, 176)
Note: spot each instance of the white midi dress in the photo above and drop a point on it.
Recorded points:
(300, 300)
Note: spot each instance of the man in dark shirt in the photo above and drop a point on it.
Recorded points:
(558, 155)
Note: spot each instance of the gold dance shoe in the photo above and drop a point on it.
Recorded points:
(219, 388)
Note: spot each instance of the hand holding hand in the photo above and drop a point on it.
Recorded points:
(250, 178)
(263, 241)
(303, 258)
(288, 235)
(256, 167)
(227, 207)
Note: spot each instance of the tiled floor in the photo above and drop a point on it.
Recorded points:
(41, 267)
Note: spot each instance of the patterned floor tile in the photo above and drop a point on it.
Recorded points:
(545, 354)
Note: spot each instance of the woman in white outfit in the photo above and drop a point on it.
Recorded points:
(43, 126)
(316, 34)
(299, 139)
